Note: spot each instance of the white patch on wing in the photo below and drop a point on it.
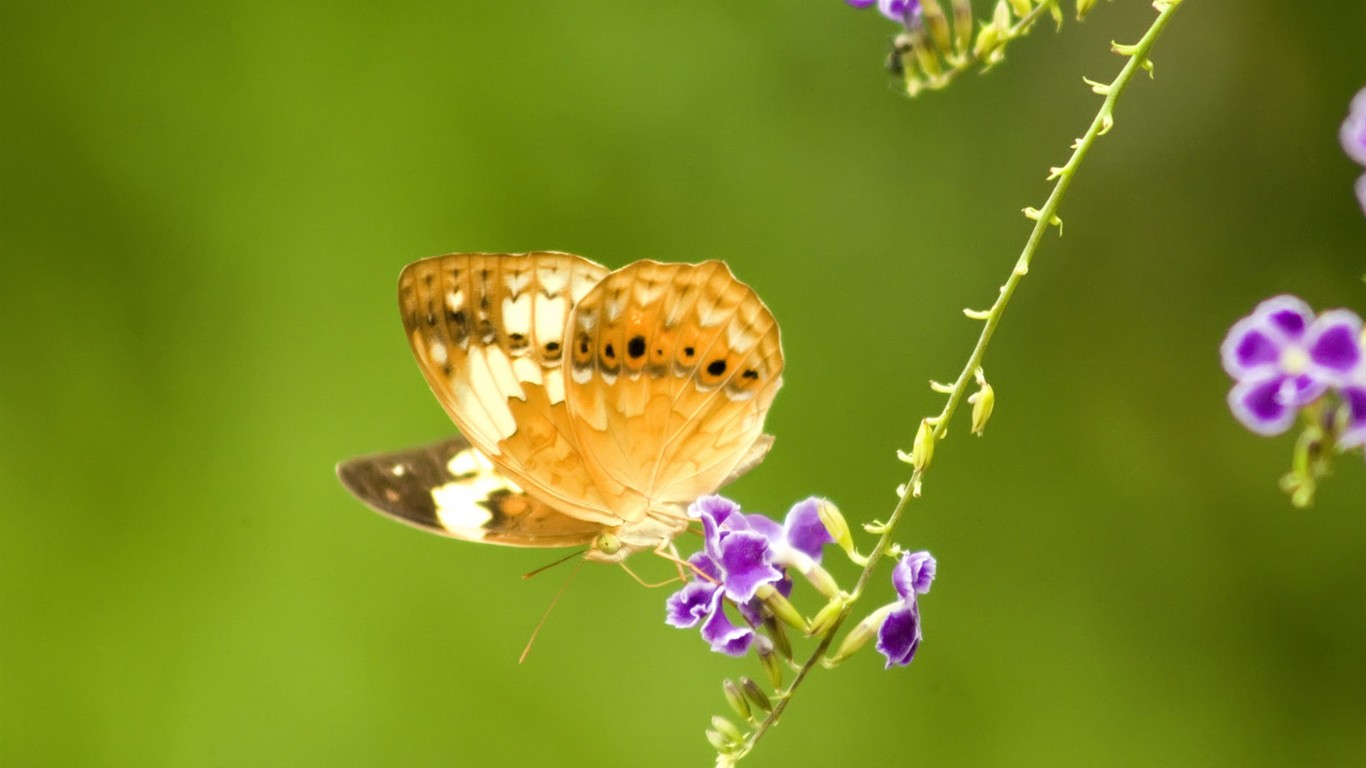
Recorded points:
(473, 418)
(517, 281)
(458, 508)
(552, 280)
(487, 393)
(455, 300)
(554, 386)
(550, 315)
(528, 371)
(709, 313)
(437, 351)
(503, 376)
(517, 315)
(739, 338)
(611, 309)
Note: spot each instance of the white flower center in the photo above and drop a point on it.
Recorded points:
(1294, 359)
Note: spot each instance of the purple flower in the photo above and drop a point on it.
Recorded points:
(740, 554)
(1353, 136)
(1354, 400)
(905, 12)
(1283, 357)
(899, 636)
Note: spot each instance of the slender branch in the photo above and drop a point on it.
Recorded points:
(1043, 218)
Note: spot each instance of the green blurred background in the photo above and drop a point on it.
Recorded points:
(205, 208)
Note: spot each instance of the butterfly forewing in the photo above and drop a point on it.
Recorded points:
(449, 488)
(488, 333)
(672, 369)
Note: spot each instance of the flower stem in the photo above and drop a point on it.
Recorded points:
(1043, 218)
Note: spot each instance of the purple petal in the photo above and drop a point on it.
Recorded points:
(1354, 398)
(744, 560)
(900, 11)
(717, 508)
(690, 604)
(804, 530)
(1353, 132)
(703, 562)
(1254, 343)
(1256, 402)
(723, 635)
(914, 574)
(899, 636)
(1248, 348)
(1334, 344)
(764, 526)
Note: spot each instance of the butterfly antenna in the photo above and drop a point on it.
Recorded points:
(552, 564)
(527, 650)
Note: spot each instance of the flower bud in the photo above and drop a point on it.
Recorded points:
(726, 728)
(828, 616)
(777, 639)
(962, 24)
(781, 607)
(773, 667)
(922, 450)
(1084, 7)
(860, 635)
(983, 401)
(736, 699)
(719, 742)
(756, 695)
(938, 24)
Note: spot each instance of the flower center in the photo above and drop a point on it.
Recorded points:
(1294, 359)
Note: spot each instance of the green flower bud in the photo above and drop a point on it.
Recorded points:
(781, 607)
(922, 450)
(728, 729)
(756, 695)
(736, 699)
(983, 400)
(860, 635)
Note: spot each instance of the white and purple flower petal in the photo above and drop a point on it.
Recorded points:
(1354, 399)
(1258, 403)
(1333, 345)
(691, 604)
(1257, 343)
(899, 636)
(803, 529)
(722, 634)
(745, 561)
(913, 574)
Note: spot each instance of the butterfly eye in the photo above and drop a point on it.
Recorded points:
(607, 543)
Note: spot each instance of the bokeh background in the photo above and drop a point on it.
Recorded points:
(205, 207)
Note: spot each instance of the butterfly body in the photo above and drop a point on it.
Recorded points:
(594, 405)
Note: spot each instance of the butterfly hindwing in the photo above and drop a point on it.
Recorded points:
(672, 370)
(450, 488)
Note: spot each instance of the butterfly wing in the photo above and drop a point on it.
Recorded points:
(488, 332)
(450, 488)
(672, 370)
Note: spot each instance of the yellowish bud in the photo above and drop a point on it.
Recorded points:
(922, 450)
(983, 400)
(860, 635)
(1021, 8)
(1084, 7)
(781, 607)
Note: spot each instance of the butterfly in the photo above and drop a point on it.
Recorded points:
(593, 405)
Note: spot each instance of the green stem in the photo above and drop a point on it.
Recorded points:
(1138, 59)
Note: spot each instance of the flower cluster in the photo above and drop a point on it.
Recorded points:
(741, 556)
(747, 560)
(1353, 136)
(1284, 357)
